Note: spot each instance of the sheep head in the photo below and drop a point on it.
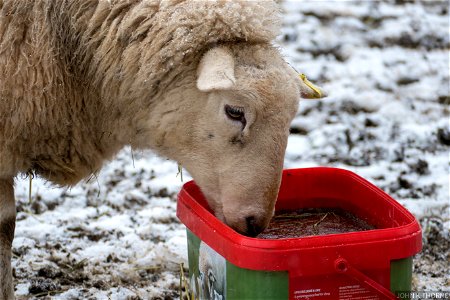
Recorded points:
(249, 97)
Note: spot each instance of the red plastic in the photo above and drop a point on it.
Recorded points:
(398, 234)
(342, 266)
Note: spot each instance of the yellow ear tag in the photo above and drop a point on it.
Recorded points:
(317, 92)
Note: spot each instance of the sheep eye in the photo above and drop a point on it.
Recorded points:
(235, 113)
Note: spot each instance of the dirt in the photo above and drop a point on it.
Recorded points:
(313, 221)
(431, 264)
(361, 66)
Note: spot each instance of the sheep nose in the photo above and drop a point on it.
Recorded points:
(253, 228)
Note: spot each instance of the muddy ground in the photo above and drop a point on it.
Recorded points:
(385, 65)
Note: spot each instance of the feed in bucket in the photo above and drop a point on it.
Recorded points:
(312, 221)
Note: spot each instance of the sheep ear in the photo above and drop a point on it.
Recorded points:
(216, 70)
(308, 90)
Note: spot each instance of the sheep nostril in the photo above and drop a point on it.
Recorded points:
(253, 229)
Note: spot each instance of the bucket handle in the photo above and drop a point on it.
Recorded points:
(341, 265)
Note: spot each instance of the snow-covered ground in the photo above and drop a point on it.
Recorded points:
(385, 65)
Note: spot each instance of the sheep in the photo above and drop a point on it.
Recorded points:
(198, 82)
(212, 273)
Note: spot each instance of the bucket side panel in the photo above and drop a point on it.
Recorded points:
(401, 276)
(332, 287)
(207, 270)
(250, 284)
(193, 247)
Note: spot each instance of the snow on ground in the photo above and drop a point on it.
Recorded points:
(114, 237)
(385, 65)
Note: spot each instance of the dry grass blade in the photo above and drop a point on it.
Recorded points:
(297, 216)
(318, 222)
(50, 293)
(180, 172)
(146, 268)
(189, 295)
(31, 177)
(181, 281)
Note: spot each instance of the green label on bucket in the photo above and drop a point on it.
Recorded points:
(207, 270)
(401, 275)
(212, 277)
(250, 284)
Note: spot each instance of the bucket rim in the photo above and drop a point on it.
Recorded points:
(407, 238)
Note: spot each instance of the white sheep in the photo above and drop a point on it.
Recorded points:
(196, 81)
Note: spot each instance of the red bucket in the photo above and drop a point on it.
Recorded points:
(372, 264)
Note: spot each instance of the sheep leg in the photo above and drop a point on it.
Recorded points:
(7, 226)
